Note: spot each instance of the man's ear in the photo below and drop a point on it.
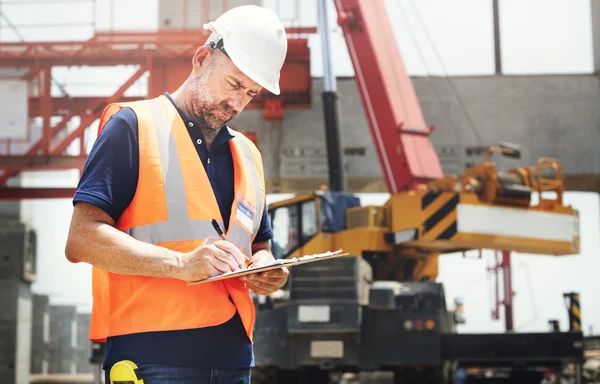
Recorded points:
(200, 60)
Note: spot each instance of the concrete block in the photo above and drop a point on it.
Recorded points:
(18, 251)
(23, 330)
(84, 345)
(8, 335)
(595, 10)
(62, 337)
(8, 300)
(40, 334)
(15, 338)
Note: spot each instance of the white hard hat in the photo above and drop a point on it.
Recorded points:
(255, 40)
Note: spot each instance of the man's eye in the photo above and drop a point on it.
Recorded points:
(231, 84)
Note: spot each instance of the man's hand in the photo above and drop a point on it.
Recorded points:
(265, 283)
(211, 258)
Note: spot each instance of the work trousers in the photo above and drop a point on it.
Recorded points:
(168, 374)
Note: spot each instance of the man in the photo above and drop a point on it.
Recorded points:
(159, 172)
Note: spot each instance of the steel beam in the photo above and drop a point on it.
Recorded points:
(114, 48)
(63, 106)
(396, 122)
(89, 119)
(15, 162)
(36, 193)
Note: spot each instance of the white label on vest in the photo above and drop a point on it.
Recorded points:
(244, 215)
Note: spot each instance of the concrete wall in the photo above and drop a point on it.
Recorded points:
(595, 9)
(63, 323)
(16, 305)
(84, 345)
(9, 209)
(60, 339)
(549, 116)
(40, 334)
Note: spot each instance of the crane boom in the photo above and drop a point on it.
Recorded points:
(396, 122)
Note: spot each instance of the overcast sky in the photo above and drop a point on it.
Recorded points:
(440, 37)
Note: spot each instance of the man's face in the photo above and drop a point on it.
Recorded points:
(219, 91)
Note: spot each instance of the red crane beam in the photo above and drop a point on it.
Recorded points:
(399, 132)
(63, 106)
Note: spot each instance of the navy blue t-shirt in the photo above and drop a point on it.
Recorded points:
(108, 181)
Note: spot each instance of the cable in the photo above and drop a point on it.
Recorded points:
(468, 117)
(428, 74)
(13, 27)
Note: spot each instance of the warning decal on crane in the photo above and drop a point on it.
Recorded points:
(439, 215)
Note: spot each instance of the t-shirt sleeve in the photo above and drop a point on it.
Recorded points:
(265, 232)
(110, 174)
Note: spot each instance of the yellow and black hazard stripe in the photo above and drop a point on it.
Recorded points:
(439, 210)
(574, 311)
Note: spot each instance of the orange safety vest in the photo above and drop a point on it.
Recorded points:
(173, 207)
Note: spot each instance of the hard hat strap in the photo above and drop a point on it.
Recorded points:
(218, 45)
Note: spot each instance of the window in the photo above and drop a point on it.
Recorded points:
(293, 226)
(358, 151)
(309, 220)
(284, 222)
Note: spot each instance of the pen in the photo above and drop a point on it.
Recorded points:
(215, 224)
(217, 228)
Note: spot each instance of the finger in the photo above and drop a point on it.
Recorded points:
(233, 250)
(260, 291)
(275, 273)
(272, 276)
(269, 283)
(218, 265)
(209, 241)
(275, 276)
(262, 288)
(224, 257)
(269, 279)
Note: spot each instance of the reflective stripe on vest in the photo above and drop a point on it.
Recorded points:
(178, 226)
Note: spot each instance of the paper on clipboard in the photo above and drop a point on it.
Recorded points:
(274, 265)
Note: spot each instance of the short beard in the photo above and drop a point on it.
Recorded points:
(203, 108)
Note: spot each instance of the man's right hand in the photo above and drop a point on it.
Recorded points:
(211, 258)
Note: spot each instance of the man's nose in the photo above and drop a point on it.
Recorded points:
(235, 104)
(238, 102)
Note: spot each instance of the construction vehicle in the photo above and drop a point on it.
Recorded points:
(382, 309)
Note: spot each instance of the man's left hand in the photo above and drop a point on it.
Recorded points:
(265, 283)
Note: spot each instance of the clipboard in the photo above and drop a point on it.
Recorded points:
(279, 263)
